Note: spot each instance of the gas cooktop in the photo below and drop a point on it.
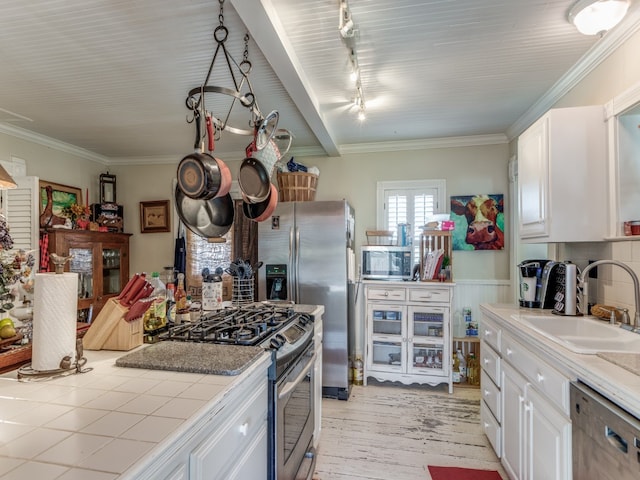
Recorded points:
(246, 325)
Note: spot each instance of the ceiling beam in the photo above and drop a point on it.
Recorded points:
(263, 23)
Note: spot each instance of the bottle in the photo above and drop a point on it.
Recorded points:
(473, 370)
(182, 310)
(456, 369)
(171, 304)
(358, 371)
(466, 313)
(463, 365)
(159, 288)
(158, 308)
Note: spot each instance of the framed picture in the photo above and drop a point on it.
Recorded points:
(154, 216)
(60, 196)
(479, 222)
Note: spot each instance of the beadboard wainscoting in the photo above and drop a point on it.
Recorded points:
(471, 293)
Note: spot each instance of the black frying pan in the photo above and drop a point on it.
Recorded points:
(207, 218)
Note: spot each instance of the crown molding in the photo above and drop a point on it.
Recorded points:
(587, 63)
(52, 143)
(425, 144)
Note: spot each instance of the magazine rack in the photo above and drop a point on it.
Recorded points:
(436, 258)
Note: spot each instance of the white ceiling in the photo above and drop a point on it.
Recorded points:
(112, 76)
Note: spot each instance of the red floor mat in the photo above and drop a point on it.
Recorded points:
(455, 473)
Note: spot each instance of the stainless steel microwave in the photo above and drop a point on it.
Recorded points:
(387, 262)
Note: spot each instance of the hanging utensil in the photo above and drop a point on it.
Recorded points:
(266, 130)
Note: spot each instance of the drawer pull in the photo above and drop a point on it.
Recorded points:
(244, 429)
(540, 377)
(386, 294)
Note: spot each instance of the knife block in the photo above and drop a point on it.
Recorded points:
(110, 331)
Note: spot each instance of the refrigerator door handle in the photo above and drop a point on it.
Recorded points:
(291, 280)
(297, 264)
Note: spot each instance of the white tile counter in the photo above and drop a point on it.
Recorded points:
(109, 423)
(617, 383)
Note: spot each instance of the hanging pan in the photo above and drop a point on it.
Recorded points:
(259, 212)
(200, 175)
(207, 218)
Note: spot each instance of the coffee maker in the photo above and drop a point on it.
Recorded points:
(531, 283)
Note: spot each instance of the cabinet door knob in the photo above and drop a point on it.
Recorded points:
(486, 361)
(509, 351)
(540, 377)
(244, 429)
(486, 393)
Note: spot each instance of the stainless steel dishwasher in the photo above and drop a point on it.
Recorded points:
(606, 438)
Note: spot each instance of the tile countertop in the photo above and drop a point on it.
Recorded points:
(103, 424)
(617, 383)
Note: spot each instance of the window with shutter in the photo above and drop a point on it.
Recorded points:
(413, 202)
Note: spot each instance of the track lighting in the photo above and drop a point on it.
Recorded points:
(347, 29)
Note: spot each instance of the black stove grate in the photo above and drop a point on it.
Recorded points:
(246, 325)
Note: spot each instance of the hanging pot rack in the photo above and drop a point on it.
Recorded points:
(260, 126)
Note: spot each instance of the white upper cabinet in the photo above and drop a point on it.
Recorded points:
(562, 177)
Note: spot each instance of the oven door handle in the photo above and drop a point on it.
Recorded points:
(289, 386)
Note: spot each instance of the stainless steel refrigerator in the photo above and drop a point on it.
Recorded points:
(308, 254)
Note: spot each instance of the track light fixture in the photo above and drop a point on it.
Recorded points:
(347, 29)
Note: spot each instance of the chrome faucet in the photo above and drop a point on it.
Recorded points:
(634, 277)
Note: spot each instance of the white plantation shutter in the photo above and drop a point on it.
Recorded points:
(22, 212)
(412, 202)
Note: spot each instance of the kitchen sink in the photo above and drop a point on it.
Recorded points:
(583, 334)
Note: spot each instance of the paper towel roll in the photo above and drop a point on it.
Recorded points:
(55, 302)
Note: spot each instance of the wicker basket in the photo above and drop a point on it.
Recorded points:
(297, 186)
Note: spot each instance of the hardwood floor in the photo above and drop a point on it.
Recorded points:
(393, 432)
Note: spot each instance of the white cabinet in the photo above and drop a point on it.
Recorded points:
(536, 427)
(562, 177)
(228, 441)
(491, 411)
(408, 333)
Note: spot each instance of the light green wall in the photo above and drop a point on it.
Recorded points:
(467, 170)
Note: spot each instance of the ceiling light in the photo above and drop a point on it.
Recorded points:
(595, 17)
(346, 24)
(5, 179)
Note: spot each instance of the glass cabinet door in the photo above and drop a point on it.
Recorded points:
(386, 319)
(111, 271)
(387, 356)
(82, 264)
(428, 358)
(427, 321)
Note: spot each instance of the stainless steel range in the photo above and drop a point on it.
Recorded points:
(289, 335)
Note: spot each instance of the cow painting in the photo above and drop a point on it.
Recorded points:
(479, 222)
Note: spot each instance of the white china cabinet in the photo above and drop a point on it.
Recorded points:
(408, 332)
(562, 172)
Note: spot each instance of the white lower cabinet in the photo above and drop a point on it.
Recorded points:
(228, 442)
(219, 452)
(408, 333)
(490, 382)
(536, 428)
